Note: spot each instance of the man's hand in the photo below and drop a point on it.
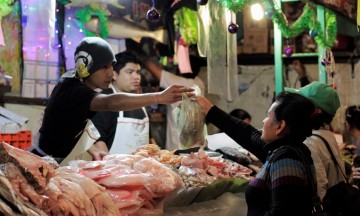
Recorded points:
(173, 94)
(98, 150)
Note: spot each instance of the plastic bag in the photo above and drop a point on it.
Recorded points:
(190, 122)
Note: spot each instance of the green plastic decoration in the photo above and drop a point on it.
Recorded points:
(5, 7)
(235, 5)
(306, 21)
(185, 21)
(64, 2)
(84, 16)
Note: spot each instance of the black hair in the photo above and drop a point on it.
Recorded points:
(123, 58)
(241, 114)
(321, 119)
(296, 111)
(353, 117)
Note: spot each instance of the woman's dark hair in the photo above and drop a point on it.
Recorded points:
(241, 114)
(296, 111)
(353, 117)
(321, 119)
(123, 58)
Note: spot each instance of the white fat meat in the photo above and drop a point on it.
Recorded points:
(123, 159)
(104, 205)
(163, 181)
(125, 179)
(101, 200)
(74, 193)
(107, 168)
(194, 160)
(125, 198)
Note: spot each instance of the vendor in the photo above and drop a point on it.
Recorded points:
(74, 100)
(123, 132)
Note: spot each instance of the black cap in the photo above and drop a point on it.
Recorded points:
(91, 54)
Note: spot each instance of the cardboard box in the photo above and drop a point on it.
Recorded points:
(249, 22)
(256, 41)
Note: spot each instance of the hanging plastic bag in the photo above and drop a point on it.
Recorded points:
(190, 122)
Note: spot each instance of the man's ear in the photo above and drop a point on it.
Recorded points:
(281, 129)
(115, 75)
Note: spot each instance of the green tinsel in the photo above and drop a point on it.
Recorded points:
(306, 21)
(186, 23)
(235, 5)
(5, 7)
(84, 16)
(64, 2)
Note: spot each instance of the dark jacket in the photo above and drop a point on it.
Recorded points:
(285, 190)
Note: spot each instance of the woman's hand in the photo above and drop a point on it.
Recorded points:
(205, 104)
(173, 94)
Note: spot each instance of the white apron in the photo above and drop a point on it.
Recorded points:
(130, 134)
(87, 139)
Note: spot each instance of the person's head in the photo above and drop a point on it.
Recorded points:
(127, 76)
(93, 62)
(241, 114)
(324, 97)
(289, 116)
(352, 116)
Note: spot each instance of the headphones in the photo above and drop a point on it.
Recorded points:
(83, 62)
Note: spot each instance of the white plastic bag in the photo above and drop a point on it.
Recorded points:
(190, 122)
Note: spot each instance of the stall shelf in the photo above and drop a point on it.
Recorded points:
(278, 50)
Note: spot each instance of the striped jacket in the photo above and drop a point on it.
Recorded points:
(285, 190)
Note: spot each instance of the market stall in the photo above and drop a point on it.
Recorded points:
(149, 181)
(204, 179)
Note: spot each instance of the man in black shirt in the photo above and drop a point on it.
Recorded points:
(74, 100)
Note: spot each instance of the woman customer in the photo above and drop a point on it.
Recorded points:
(283, 188)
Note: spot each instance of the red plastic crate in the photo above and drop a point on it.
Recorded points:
(22, 139)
